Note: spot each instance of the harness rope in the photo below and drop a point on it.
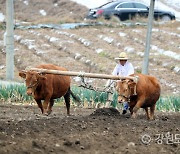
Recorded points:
(107, 89)
(31, 86)
(90, 87)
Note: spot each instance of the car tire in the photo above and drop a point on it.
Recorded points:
(166, 18)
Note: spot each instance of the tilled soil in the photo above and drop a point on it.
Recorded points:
(90, 49)
(24, 130)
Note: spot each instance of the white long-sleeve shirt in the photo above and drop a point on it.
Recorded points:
(125, 70)
(121, 70)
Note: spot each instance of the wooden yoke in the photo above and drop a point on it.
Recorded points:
(81, 74)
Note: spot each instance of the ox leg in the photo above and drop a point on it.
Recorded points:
(152, 108)
(39, 103)
(50, 106)
(45, 105)
(147, 113)
(131, 110)
(135, 109)
(67, 101)
(137, 106)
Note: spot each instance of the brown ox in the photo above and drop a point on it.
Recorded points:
(47, 87)
(144, 94)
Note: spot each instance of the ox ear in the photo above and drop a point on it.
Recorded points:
(123, 81)
(131, 84)
(22, 74)
(42, 76)
(118, 84)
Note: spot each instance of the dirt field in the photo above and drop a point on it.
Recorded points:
(90, 131)
(23, 130)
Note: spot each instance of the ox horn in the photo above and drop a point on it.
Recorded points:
(24, 71)
(28, 68)
(136, 79)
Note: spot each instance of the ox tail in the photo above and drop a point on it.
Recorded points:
(76, 98)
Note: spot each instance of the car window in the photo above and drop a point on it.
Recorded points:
(126, 5)
(139, 5)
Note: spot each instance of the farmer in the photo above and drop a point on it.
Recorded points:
(123, 68)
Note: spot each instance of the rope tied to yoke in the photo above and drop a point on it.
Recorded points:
(109, 88)
(81, 74)
(86, 85)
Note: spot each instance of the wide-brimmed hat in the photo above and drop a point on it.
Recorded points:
(122, 56)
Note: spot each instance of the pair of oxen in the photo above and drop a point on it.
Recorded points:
(143, 93)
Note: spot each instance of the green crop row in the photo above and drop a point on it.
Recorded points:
(17, 94)
(14, 93)
(168, 103)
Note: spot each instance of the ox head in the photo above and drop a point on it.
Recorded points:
(32, 80)
(125, 89)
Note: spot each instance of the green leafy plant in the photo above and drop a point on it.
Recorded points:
(17, 94)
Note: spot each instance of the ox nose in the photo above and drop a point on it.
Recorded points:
(120, 100)
(29, 92)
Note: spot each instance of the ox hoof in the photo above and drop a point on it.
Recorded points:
(47, 112)
(134, 116)
(152, 118)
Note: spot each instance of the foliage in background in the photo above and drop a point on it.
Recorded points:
(14, 93)
(92, 99)
(168, 103)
